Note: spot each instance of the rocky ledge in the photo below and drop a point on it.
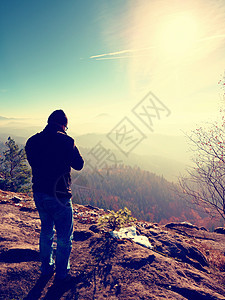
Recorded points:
(186, 262)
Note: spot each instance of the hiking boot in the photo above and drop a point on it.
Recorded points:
(64, 280)
(48, 274)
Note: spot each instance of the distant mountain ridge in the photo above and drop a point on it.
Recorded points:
(4, 118)
(161, 154)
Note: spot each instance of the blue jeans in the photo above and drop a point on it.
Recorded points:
(56, 213)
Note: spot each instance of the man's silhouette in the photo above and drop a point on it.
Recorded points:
(51, 154)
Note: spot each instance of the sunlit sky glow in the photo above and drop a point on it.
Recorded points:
(97, 59)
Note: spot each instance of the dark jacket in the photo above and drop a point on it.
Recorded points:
(51, 154)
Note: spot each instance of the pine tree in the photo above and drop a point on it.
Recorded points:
(14, 172)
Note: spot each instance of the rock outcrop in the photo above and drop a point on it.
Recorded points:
(186, 262)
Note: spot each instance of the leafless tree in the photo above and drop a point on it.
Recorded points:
(205, 183)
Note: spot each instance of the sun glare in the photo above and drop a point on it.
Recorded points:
(178, 35)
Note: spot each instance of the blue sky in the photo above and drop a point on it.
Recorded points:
(97, 58)
(45, 51)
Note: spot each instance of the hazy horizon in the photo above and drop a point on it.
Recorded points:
(159, 153)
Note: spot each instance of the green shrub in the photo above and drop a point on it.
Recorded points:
(116, 220)
(15, 174)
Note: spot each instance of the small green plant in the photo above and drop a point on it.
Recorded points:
(116, 220)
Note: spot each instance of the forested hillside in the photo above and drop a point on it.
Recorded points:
(2, 147)
(148, 196)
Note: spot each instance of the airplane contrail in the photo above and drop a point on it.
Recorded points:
(113, 55)
(121, 52)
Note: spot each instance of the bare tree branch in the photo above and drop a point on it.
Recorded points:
(205, 185)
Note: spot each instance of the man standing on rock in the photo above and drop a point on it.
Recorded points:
(51, 154)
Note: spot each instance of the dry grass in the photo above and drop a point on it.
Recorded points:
(215, 258)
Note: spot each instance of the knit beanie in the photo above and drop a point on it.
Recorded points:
(58, 117)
